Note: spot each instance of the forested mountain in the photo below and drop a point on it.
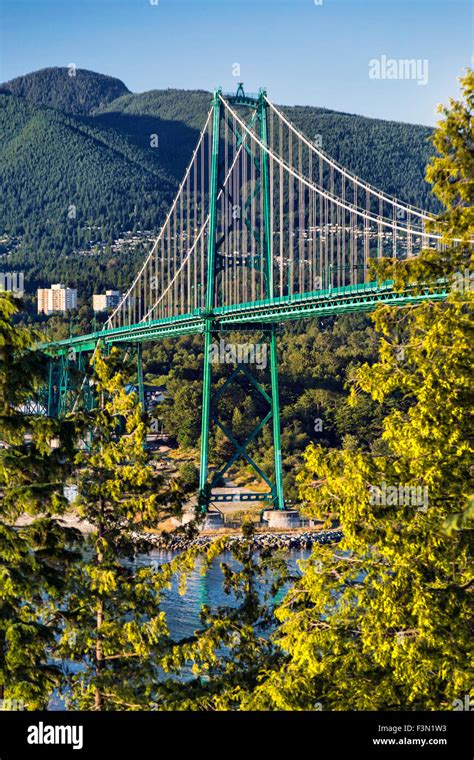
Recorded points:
(176, 116)
(72, 90)
(78, 169)
(389, 154)
(66, 184)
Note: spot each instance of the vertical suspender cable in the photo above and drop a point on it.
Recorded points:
(281, 227)
(290, 213)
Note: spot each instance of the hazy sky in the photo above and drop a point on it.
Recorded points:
(302, 51)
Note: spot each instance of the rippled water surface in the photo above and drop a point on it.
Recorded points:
(183, 611)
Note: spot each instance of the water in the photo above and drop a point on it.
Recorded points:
(183, 611)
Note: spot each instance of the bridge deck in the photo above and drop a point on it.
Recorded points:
(252, 315)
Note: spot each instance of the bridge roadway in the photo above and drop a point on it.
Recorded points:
(252, 315)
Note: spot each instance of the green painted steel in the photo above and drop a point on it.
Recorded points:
(141, 388)
(266, 195)
(68, 378)
(241, 450)
(229, 497)
(211, 327)
(203, 497)
(50, 403)
(68, 375)
(277, 488)
(319, 303)
(280, 501)
(213, 190)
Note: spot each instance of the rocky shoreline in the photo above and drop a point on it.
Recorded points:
(262, 540)
(176, 542)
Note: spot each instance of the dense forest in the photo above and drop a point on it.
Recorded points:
(78, 170)
(49, 87)
(376, 411)
(78, 173)
(316, 361)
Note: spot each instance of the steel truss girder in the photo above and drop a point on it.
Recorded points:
(363, 297)
(294, 307)
(67, 378)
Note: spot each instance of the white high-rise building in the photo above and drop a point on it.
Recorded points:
(57, 298)
(108, 300)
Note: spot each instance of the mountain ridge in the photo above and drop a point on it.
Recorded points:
(72, 90)
(102, 164)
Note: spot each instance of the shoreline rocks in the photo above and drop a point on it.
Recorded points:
(298, 542)
(178, 542)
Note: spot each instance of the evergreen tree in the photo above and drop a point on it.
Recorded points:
(113, 626)
(385, 621)
(33, 554)
(227, 654)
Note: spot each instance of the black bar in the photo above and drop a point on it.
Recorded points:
(134, 735)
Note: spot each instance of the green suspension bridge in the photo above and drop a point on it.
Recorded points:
(265, 228)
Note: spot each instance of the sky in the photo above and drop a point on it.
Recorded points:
(338, 54)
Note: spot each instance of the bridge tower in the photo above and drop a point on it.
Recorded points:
(209, 401)
(307, 233)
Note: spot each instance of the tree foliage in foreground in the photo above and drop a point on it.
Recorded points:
(385, 621)
(34, 553)
(113, 627)
(224, 658)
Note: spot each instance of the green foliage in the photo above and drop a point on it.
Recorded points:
(180, 418)
(451, 172)
(33, 545)
(443, 332)
(113, 625)
(228, 652)
(189, 475)
(385, 621)
(66, 204)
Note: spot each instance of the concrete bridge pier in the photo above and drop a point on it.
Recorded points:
(282, 519)
(212, 521)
